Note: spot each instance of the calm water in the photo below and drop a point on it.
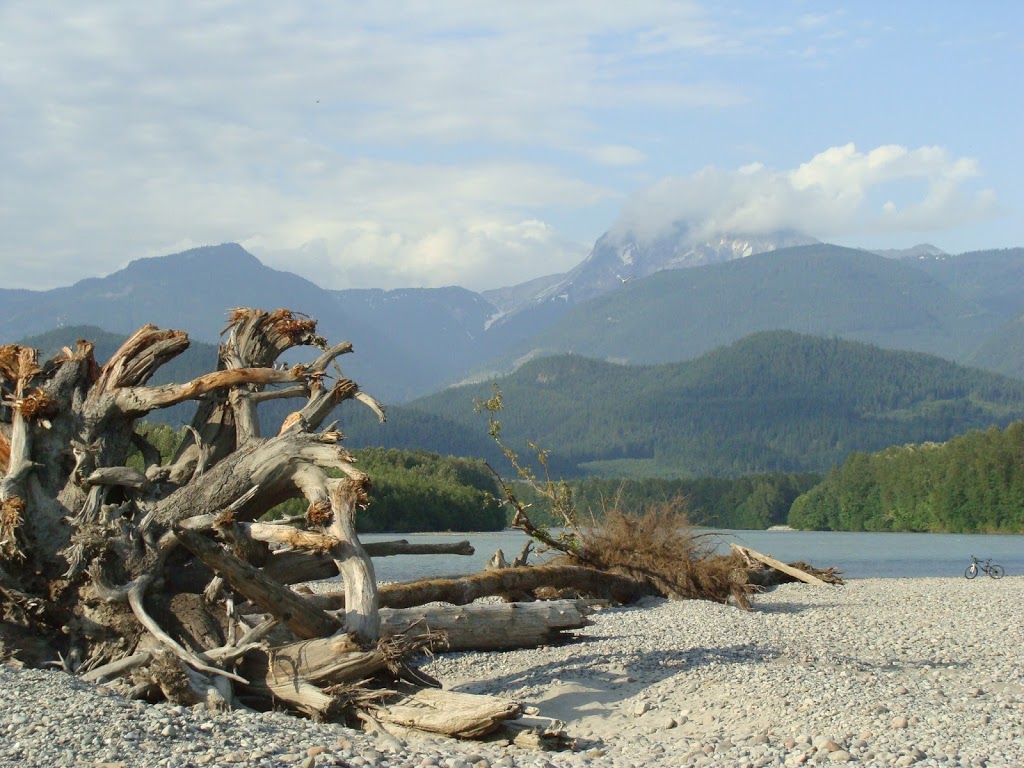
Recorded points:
(857, 555)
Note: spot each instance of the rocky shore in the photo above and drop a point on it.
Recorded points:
(879, 672)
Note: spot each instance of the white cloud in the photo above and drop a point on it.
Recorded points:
(408, 127)
(618, 154)
(486, 254)
(409, 143)
(830, 195)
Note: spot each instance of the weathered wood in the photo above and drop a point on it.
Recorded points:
(330, 660)
(123, 476)
(288, 536)
(285, 535)
(117, 668)
(778, 565)
(297, 695)
(403, 547)
(305, 620)
(297, 567)
(461, 591)
(461, 715)
(492, 626)
(354, 565)
(82, 535)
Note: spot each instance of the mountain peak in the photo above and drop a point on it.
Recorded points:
(220, 258)
(616, 258)
(920, 251)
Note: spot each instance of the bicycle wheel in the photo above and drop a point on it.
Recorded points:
(996, 571)
(971, 572)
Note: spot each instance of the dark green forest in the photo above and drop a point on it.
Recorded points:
(772, 402)
(974, 483)
(421, 491)
(752, 502)
(820, 290)
(738, 434)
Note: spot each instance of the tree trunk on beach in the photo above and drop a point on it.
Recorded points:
(89, 545)
(163, 579)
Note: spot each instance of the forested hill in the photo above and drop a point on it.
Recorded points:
(773, 401)
(973, 483)
(821, 290)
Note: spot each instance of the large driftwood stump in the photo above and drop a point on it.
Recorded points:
(90, 547)
(159, 579)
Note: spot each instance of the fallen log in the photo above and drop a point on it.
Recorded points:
(492, 626)
(403, 547)
(778, 565)
(460, 715)
(462, 591)
(294, 674)
(296, 567)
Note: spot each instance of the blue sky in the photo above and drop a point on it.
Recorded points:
(407, 144)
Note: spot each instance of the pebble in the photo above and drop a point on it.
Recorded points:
(808, 678)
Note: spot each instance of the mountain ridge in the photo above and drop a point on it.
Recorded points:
(413, 341)
(819, 289)
(772, 401)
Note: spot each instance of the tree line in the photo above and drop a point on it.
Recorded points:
(773, 402)
(751, 502)
(973, 483)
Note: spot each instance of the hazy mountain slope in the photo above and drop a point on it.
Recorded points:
(437, 332)
(400, 353)
(775, 401)
(1003, 350)
(922, 250)
(822, 290)
(994, 280)
(413, 341)
(508, 298)
(192, 291)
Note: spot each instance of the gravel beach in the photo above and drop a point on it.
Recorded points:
(879, 672)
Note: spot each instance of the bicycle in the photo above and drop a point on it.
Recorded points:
(984, 566)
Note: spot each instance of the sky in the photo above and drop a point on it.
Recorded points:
(477, 143)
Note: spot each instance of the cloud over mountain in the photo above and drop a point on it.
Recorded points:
(839, 192)
(485, 143)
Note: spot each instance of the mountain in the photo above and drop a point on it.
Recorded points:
(407, 342)
(411, 342)
(617, 258)
(821, 289)
(993, 280)
(920, 251)
(772, 401)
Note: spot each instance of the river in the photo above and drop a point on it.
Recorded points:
(857, 555)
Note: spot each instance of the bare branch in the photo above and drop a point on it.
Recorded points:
(138, 401)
